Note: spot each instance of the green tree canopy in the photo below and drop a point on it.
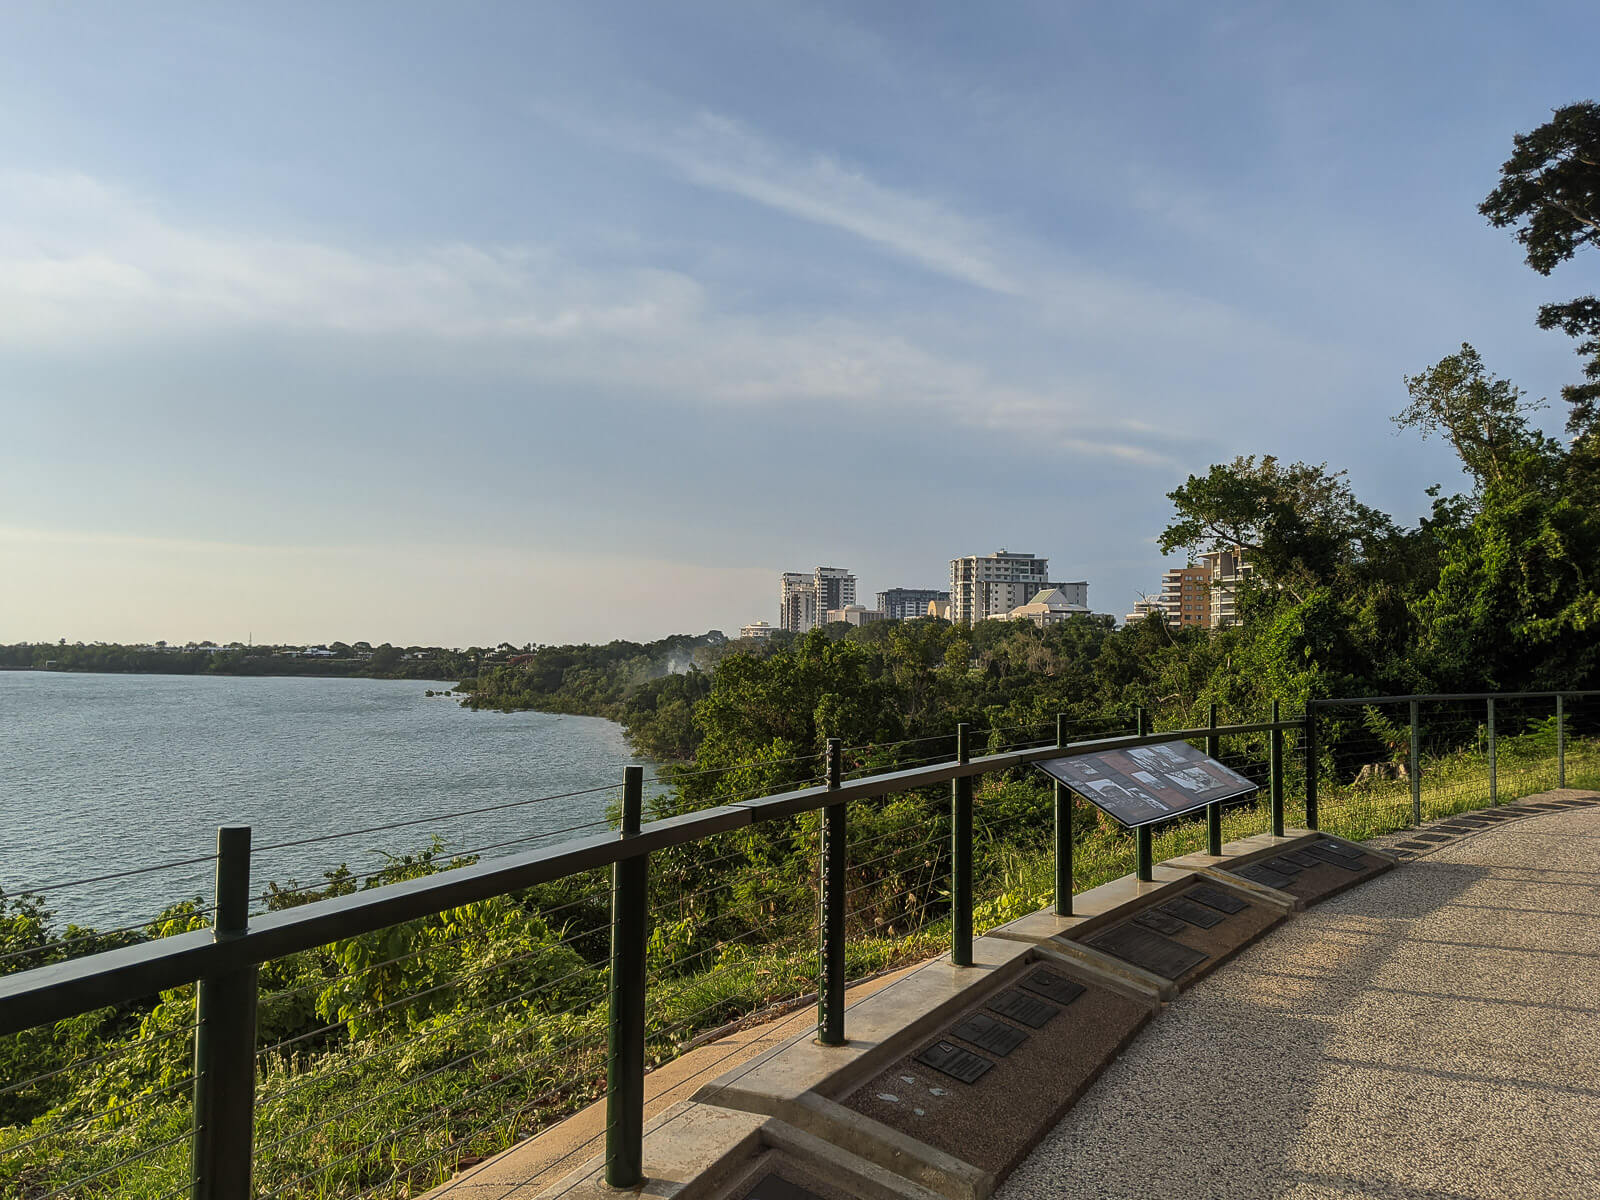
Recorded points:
(1549, 192)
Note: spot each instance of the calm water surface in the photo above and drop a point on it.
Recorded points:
(102, 773)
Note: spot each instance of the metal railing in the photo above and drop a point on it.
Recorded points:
(224, 960)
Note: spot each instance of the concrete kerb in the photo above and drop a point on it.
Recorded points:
(879, 1028)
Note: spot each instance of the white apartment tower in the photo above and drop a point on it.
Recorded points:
(804, 600)
(989, 585)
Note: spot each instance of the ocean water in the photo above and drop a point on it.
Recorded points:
(105, 774)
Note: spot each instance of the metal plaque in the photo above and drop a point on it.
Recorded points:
(1433, 837)
(986, 1033)
(1331, 859)
(955, 1062)
(1161, 922)
(1225, 902)
(1300, 859)
(1283, 866)
(1023, 1008)
(1051, 986)
(1145, 784)
(1194, 914)
(1264, 874)
(1151, 951)
(773, 1186)
(1416, 845)
(1332, 847)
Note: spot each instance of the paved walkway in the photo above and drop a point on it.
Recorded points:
(1434, 1034)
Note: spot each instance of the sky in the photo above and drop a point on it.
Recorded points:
(469, 323)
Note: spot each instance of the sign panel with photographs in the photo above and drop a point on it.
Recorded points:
(1148, 783)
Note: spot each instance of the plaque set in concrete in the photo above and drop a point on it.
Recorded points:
(1003, 1069)
(1182, 937)
(1313, 870)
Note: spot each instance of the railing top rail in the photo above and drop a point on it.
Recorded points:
(51, 993)
(1347, 701)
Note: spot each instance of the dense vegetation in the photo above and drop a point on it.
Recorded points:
(387, 1060)
(207, 658)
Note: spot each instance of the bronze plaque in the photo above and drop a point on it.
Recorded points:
(1433, 837)
(1047, 983)
(1161, 922)
(1194, 914)
(1023, 1008)
(952, 1060)
(1300, 859)
(1154, 953)
(1211, 897)
(1336, 860)
(773, 1186)
(1332, 847)
(1283, 866)
(984, 1032)
(1264, 875)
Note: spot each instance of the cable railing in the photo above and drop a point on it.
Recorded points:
(491, 997)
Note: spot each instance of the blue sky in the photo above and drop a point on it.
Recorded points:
(465, 323)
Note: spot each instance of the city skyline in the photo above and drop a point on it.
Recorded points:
(413, 330)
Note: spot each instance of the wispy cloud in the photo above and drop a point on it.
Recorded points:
(81, 258)
(717, 152)
(84, 263)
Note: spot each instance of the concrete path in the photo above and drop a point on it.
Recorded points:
(1433, 1034)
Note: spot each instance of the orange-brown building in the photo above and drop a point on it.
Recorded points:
(1186, 595)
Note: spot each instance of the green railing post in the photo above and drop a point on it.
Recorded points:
(961, 856)
(1414, 769)
(1214, 809)
(1311, 754)
(1561, 742)
(830, 990)
(1494, 772)
(1063, 833)
(1144, 865)
(1275, 773)
(625, 1057)
(225, 1041)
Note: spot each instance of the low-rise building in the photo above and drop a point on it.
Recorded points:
(758, 630)
(854, 614)
(1050, 606)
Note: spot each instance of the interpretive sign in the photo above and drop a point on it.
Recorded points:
(1145, 784)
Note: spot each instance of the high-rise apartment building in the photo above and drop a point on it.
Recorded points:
(835, 588)
(987, 585)
(797, 602)
(1145, 607)
(1225, 570)
(907, 604)
(1186, 595)
(804, 600)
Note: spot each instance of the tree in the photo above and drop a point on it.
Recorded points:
(1298, 524)
(1549, 192)
(1485, 419)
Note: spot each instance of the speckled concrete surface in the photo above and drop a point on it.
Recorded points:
(1433, 1034)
